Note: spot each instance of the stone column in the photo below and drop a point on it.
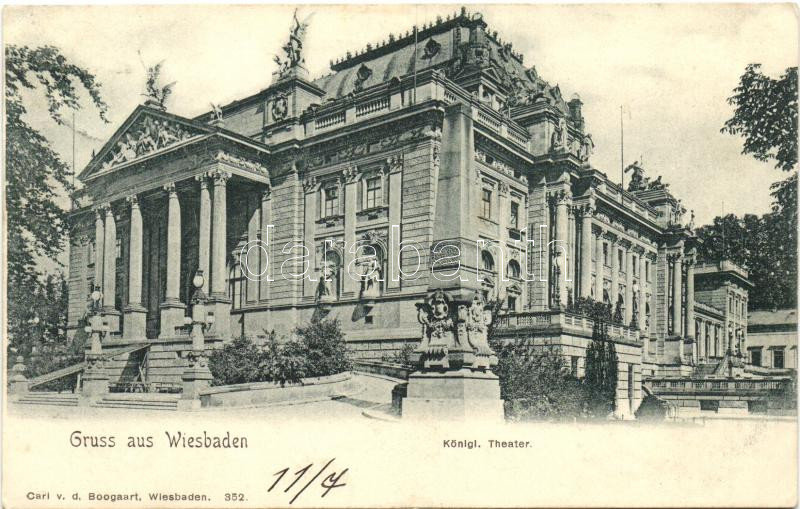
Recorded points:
(562, 245)
(135, 314)
(253, 252)
(219, 301)
(172, 309)
(204, 232)
(599, 266)
(676, 295)
(612, 251)
(110, 271)
(586, 251)
(690, 332)
(642, 293)
(99, 238)
(266, 219)
(628, 286)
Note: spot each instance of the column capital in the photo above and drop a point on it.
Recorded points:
(132, 200)
(394, 163)
(611, 237)
(560, 197)
(587, 210)
(220, 177)
(350, 174)
(674, 257)
(310, 184)
(503, 188)
(203, 179)
(266, 192)
(170, 189)
(624, 243)
(597, 230)
(638, 249)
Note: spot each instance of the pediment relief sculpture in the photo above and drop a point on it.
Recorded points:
(149, 135)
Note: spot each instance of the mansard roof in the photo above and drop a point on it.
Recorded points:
(460, 46)
(150, 131)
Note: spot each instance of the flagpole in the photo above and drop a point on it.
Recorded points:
(621, 150)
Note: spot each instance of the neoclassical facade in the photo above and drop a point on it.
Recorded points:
(431, 161)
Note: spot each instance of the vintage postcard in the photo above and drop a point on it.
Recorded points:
(400, 256)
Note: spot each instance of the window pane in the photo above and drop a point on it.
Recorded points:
(373, 192)
(487, 203)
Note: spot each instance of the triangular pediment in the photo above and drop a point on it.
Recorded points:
(146, 132)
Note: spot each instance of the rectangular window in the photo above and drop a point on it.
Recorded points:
(574, 365)
(331, 201)
(487, 203)
(118, 248)
(777, 358)
(755, 356)
(374, 197)
(515, 215)
(605, 254)
(512, 304)
(635, 267)
(647, 270)
(621, 260)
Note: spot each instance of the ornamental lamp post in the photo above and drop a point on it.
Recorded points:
(95, 379)
(197, 376)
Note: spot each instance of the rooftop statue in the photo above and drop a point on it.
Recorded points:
(294, 46)
(657, 184)
(638, 181)
(156, 94)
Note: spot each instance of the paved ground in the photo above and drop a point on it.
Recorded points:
(375, 392)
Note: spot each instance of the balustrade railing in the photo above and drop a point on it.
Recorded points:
(372, 106)
(547, 318)
(329, 120)
(694, 385)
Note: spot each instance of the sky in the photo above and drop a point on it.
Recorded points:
(671, 68)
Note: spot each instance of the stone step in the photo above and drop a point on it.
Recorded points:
(54, 399)
(131, 405)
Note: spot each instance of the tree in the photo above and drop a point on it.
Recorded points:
(765, 116)
(601, 372)
(36, 175)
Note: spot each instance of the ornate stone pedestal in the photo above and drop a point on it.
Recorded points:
(95, 378)
(196, 377)
(453, 395)
(454, 380)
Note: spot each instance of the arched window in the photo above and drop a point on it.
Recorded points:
(487, 262)
(513, 269)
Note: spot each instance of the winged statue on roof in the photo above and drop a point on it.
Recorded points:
(294, 46)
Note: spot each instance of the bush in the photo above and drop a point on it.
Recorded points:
(536, 383)
(317, 350)
(52, 357)
(402, 356)
(323, 346)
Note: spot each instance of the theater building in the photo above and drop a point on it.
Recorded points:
(356, 194)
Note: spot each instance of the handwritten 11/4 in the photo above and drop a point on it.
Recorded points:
(328, 483)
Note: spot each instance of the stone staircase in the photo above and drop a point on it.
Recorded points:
(49, 398)
(167, 402)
